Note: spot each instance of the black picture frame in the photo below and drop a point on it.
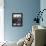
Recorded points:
(17, 19)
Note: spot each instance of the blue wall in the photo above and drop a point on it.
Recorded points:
(28, 8)
(43, 6)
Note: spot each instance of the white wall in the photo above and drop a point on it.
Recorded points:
(1, 20)
(1, 25)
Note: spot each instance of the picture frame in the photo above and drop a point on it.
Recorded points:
(17, 19)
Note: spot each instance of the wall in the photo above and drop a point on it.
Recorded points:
(1, 3)
(43, 6)
(28, 8)
(1, 20)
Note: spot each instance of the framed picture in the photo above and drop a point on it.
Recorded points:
(17, 19)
